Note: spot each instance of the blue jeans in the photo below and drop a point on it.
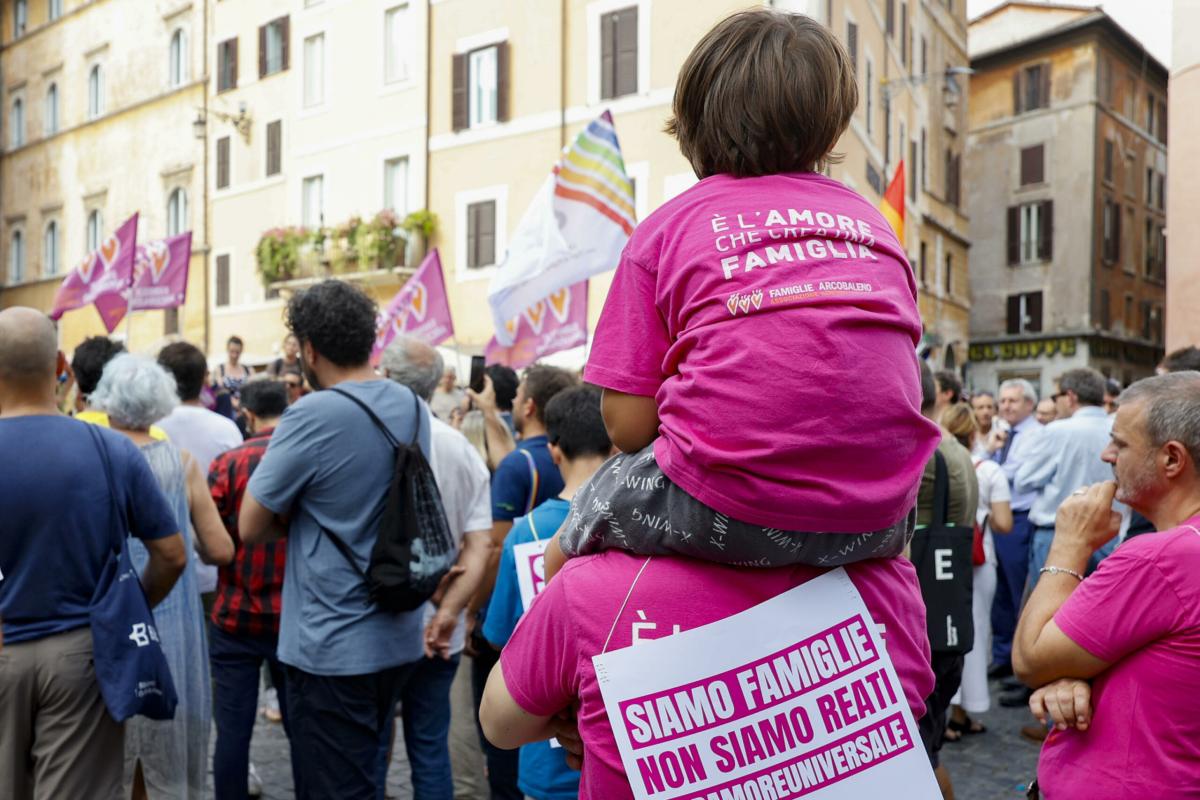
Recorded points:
(1039, 549)
(337, 722)
(236, 662)
(425, 709)
(1012, 553)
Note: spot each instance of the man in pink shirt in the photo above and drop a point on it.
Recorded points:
(1134, 625)
(546, 666)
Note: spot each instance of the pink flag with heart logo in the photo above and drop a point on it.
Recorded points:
(102, 278)
(160, 273)
(558, 322)
(420, 309)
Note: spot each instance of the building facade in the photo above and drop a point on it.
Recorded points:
(1065, 105)
(99, 100)
(1183, 281)
(316, 127)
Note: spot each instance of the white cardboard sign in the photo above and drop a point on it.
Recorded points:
(795, 697)
(531, 570)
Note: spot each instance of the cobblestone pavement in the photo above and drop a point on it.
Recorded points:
(994, 766)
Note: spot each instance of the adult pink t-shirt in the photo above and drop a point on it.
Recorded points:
(775, 322)
(1140, 611)
(548, 661)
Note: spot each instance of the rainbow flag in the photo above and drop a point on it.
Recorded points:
(893, 203)
(576, 226)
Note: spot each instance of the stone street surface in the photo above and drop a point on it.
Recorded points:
(996, 765)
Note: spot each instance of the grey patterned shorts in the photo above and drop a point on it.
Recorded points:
(629, 504)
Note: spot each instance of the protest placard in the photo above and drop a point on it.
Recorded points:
(795, 697)
(531, 570)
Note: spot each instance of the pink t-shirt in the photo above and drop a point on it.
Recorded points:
(775, 321)
(548, 661)
(1140, 611)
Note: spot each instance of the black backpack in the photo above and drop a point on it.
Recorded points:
(414, 548)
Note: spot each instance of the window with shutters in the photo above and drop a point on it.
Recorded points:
(1147, 319)
(273, 47)
(1031, 233)
(1162, 192)
(1127, 321)
(481, 234)
(222, 288)
(312, 202)
(949, 275)
(904, 33)
(223, 162)
(1149, 186)
(852, 44)
(480, 87)
(54, 9)
(1127, 253)
(16, 123)
(1110, 233)
(924, 159)
(1105, 81)
(890, 17)
(1108, 160)
(1150, 113)
(20, 17)
(619, 53)
(1033, 165)
(924, 56)
(1024, 313)
(1161, 133)
(314, 70)
(274, 147)
(1150, 247)
(95, 230)
(953, 179)
(923, 261)
(170, 321)
(227, 65)
(1031, 88)
(1105, 310)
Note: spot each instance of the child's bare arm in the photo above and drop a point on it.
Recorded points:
(631, 420)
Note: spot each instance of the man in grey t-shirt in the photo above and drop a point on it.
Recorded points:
(329, 467)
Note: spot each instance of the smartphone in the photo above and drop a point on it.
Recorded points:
(477, 374)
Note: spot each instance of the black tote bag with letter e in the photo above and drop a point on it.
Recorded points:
(942, 555)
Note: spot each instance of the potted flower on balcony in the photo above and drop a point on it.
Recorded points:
(343, 246)
(278, 255)
(420, 226)
(378, 243)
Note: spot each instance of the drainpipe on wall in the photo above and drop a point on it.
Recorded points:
(204, 177)
(428, 94)
(562, 77)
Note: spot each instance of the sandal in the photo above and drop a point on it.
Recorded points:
(967, 727)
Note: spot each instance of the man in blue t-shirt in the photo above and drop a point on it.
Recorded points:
(579, 445)
(525, 479)
(327, 470)
(58, 530)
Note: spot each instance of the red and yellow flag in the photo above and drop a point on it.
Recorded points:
(893, 203)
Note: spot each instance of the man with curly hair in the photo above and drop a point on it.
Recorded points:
(327, 470)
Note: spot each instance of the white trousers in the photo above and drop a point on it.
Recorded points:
(973, 693)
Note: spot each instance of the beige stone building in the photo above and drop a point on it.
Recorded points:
(317, 119)
(1183, 279)
(98, 104)
(1066, 194)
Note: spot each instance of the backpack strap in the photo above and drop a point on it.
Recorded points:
(941, 490)
(374, 417)
(534, 481)
(120, 528)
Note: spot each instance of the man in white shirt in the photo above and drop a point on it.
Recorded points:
(465, 486)
(192, 427)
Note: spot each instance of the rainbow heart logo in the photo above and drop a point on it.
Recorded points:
(732, 304)
(756, 298)
(87, 267)
(419, 301)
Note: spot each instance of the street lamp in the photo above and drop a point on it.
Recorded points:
(240, 121)
(889, 88)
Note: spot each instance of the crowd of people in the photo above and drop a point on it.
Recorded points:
(709, 459)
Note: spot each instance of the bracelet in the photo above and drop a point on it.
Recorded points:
(1061, 571)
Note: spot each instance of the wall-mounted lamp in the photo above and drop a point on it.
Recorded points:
(240, 121)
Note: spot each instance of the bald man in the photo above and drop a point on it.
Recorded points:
(57, 531)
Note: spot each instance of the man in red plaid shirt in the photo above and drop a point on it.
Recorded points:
(245, 617)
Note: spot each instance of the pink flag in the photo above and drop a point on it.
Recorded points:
(420, 309)
(160, 273)
(559, 322)
(102, 278)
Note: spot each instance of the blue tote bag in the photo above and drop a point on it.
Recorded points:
(130, 665)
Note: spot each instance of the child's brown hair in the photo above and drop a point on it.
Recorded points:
(763, 92)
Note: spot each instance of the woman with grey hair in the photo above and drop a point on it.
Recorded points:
(169, 759)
